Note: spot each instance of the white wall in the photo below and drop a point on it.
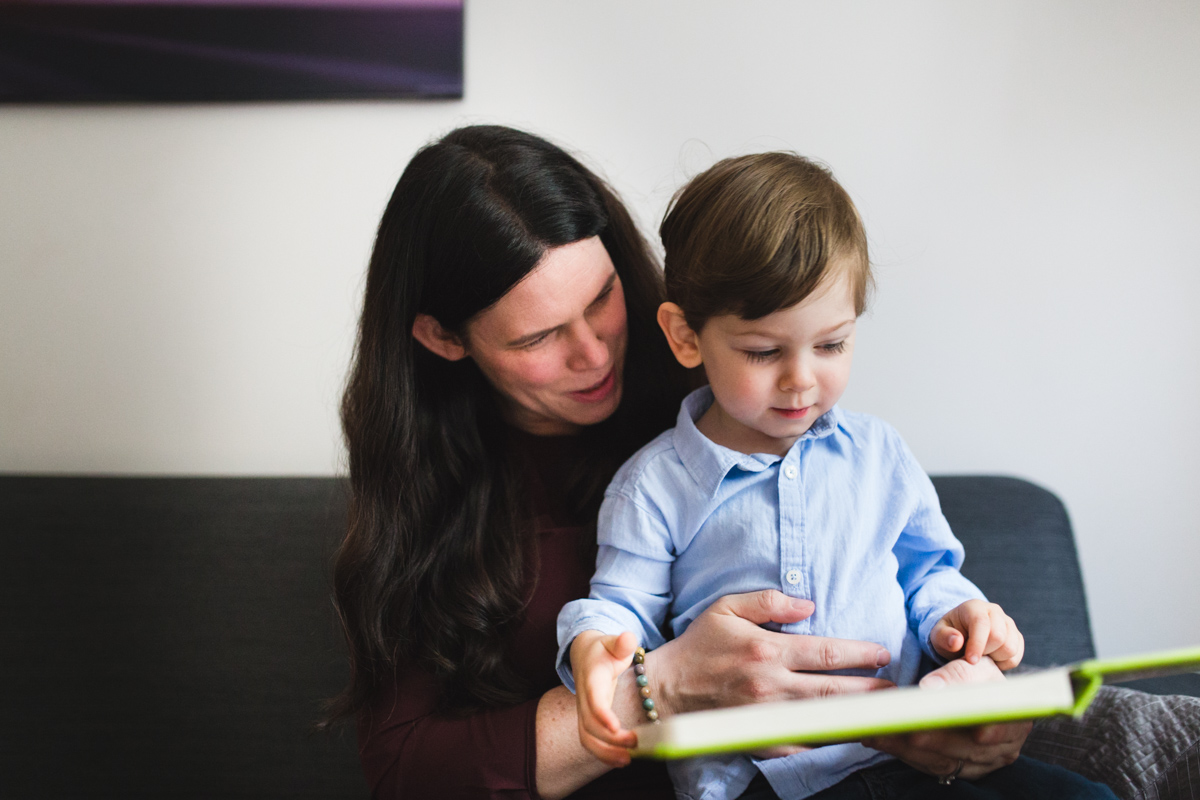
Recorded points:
(178, 285)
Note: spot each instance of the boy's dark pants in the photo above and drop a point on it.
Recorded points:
(1024, 779)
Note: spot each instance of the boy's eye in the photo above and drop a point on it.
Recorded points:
(759, 355)
(535, 342)
(835, 347)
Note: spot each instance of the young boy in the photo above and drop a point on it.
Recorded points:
(764, 482)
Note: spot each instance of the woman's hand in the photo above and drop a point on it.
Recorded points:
(982, 749)
(725, 659)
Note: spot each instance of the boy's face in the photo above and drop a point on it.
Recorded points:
(773, 377)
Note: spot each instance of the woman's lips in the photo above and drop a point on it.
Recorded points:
(594, 394)
(792, 413)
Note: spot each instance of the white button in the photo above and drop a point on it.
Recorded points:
(789, 472)
(793, 576)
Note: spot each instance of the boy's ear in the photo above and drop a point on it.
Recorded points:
(682, 339)
(437, 340)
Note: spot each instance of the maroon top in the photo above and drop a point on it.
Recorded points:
(408, 750)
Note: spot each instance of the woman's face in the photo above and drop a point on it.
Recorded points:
(554, 345)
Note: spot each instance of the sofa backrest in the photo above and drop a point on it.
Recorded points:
(175, 637)
(1021, 553)
(170, 637)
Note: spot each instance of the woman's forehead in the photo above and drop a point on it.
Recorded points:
(560, 288)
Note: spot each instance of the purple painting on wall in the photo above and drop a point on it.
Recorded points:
(189, 51)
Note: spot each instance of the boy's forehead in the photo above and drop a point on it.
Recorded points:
(829, 307)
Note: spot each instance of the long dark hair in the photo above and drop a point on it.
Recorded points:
(432, 571)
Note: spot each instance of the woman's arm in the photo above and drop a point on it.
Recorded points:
(742, 663)
(408, 748)
(563, 765)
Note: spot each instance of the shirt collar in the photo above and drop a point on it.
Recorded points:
(708, 462)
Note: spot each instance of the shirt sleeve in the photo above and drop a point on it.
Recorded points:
(631, 588)
(929, 556)
(407, 749)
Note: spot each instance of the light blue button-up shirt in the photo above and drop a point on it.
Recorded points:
(847, 519)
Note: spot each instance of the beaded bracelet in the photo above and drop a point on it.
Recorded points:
(639, 670)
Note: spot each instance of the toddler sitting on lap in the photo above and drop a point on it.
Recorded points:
(766, 483)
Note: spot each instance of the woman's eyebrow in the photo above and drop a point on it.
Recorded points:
(608, 284)
(529, 337)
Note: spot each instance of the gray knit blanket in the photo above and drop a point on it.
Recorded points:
(1143, 746)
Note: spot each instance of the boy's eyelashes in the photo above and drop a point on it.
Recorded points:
(755, 356)
(758, 356)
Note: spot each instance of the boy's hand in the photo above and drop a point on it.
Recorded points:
(598, 661)
(976, 629)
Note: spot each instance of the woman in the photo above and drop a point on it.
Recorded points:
(507, 363)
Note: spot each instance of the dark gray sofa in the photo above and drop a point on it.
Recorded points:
(174, 637)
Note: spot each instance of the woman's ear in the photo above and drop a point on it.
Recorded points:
(682, 339)
(437, 340)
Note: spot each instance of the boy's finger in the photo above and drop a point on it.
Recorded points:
(612, 756)
(610, 737)
(946, 640)
(621, 647)
(977, 638)
(1009, 654)
(598, 702)
(999, 628)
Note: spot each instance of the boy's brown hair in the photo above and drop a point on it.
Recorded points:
(756, 234)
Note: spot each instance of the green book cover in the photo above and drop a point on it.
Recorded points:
(1042, 693)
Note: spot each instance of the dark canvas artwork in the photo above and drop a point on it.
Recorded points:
(187, 51)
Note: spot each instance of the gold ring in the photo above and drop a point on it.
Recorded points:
(946, 780)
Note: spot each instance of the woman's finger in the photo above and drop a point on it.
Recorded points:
(1002, 734)
(780, 751)
(768, 605)
(819, 654)
(801, 685)
(940, 752)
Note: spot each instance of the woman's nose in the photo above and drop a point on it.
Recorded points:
(588, 351)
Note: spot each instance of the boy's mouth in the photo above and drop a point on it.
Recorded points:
(792, 413)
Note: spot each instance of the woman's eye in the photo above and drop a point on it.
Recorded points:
(835, 347)
(601, 299)
(759, 355)
(535, 342)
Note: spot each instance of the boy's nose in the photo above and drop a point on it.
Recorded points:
(797, 377)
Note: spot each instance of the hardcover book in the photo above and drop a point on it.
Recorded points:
(846, 718)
